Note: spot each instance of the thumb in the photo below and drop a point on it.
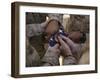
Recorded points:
(61, 41)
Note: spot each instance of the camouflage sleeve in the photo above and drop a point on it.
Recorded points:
(51, 58)
(69, 60)
(32, 57)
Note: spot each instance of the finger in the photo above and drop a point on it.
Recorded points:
(56, 46)
(71, 44)
(69, 41)
(61, 41)
(63, 44)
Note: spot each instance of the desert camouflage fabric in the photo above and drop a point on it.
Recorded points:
(33, 56)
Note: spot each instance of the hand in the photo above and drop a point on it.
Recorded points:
(66, 51)
(71, 44)
(69, 47)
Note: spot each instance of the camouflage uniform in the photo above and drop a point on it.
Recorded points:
(50, 58)
(36, 28)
